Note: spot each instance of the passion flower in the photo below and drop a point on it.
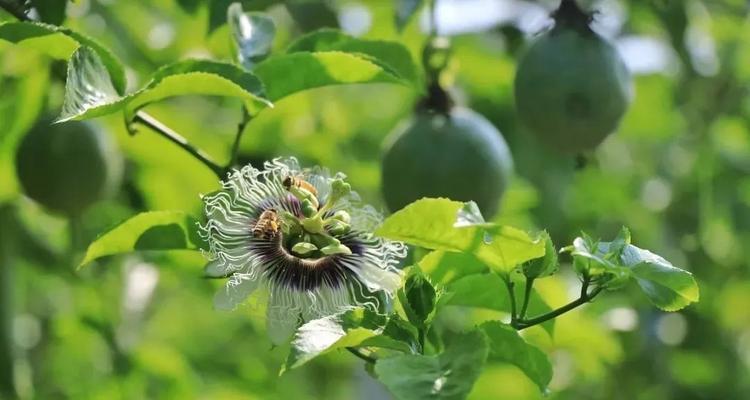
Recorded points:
(305, 236)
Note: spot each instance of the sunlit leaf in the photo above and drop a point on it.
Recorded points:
(60, 43)
(506, 345)
(668, 287)
(449, 375)
(287, 74)
(392, 56)
(89, 93)
(155, 230)
(431, 223)
(253, 35)
(320, 336)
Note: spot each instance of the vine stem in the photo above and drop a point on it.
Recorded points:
(7, 385)
(359, 354)
(584, 298)
(174, 137)
(512, 295)
(238, 138)
(526, 297)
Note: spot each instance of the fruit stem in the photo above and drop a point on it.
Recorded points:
(570, 14)
(180, 141)
(7, 387)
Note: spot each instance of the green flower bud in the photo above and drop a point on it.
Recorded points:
(342, 216)
(303, 248)
(335, 249)
(308, 208)
(336, 227)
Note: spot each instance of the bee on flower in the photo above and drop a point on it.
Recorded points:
(302, 234)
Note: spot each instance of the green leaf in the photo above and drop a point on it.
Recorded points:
(253, 35)
(155, 230)
(392, 56)
(217, 10)
(312, 14)
(287, 74)
(449, 375)
(60, 43)
(446, 266)
(89, 93)
(506, 345)
(431, 223)
(543, 266)
(405, 9)
(50, 11)
(668, 287)
(397, 335)
(321, 336)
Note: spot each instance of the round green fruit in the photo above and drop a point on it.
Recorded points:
(572, 88)
(461, 156)
(67, 167)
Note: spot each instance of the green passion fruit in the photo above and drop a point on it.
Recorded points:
(572, 88)
(459, 155)
(67, 167)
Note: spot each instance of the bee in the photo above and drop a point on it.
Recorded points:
(297, 181)
(268, 225)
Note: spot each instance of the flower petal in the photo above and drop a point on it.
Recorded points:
(235, 292)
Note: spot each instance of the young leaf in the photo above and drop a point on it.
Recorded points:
(155, 230)
(397, 335)
(668, 287)
(405, 9)
(506, 345)
(543, 266)
(287, 74)
(392, 56)
(431, 223)
(60, 43)
(89, 93)
(252, 33)
(449, 375)
(320, 336)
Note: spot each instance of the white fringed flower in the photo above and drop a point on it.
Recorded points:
(312, 249)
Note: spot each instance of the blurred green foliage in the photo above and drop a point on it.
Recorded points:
(677, 172)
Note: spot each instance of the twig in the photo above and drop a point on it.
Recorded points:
(158, 127)
(526, 297)
(583, 299)
(237, 139)
(512, 294)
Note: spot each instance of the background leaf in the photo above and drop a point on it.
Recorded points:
(154, 230)
(405, 9)
(449, 375)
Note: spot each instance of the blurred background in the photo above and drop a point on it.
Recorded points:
(142, 326)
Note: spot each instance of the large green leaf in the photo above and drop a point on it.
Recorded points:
(89, 93)
(507, 345)
(60, 43)
(287, 74)
(449, 375)
(321, 336)
(253, 35)
(155, 230)
(437, 224)
(668, 287)
(392, 56)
